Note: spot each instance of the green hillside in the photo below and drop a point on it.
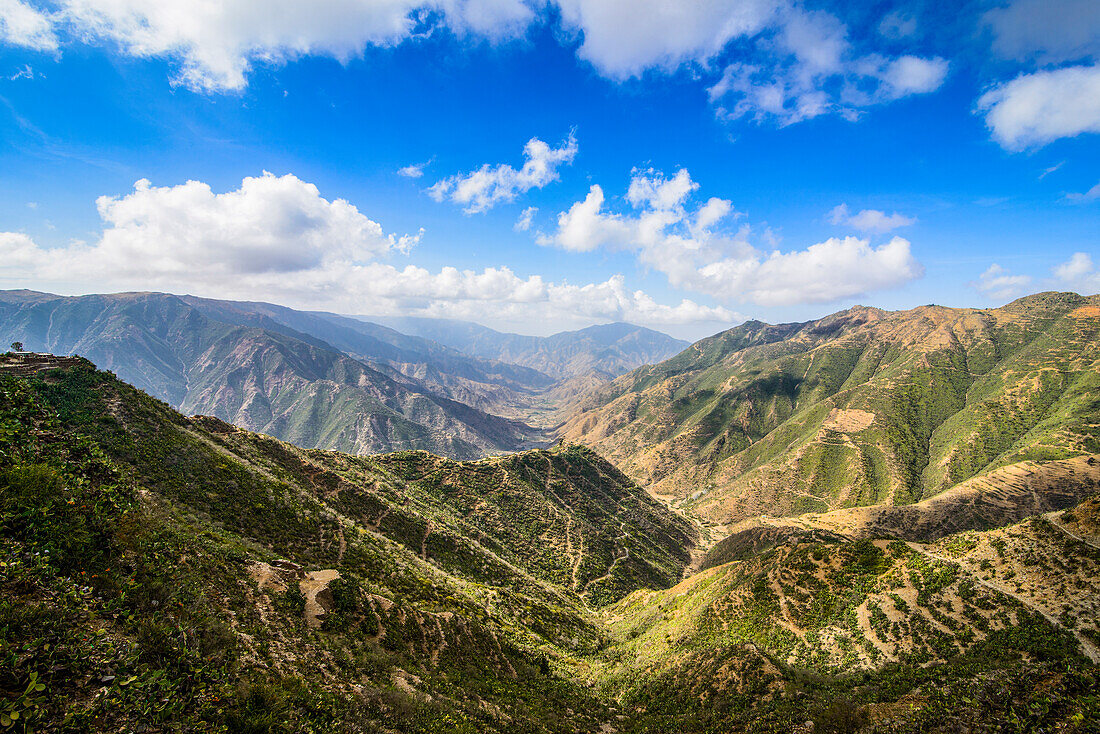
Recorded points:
(164, 573)
(860, 408)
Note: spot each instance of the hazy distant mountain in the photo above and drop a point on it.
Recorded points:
(245, 364)
(608, 348)
(485, 384)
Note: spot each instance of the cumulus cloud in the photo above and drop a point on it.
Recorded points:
(692, 248)
(1082, 198)
(271, 224)
(1035, 109)
(218, 43)
(869, 220)
(276, 238)
(1046, 31)
(624, 38)
(22, 25)
(481, 190)
(999, 284)
(1079, 273)
(793, 64)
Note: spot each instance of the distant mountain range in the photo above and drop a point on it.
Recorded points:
(610, 349)
(863, 407)
(319, 379)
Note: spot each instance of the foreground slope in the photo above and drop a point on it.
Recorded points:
(245, 366)
(870, 636)
(863, 407)
(243, 582)
(162, 573)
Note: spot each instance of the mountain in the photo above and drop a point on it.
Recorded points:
(863, 407)
(167, 573)
(488, 385)
(247, 363)
(608, 349)
(192, 571)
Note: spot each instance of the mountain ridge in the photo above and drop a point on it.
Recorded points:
(278, 379)
(192, 571)
(608, 349)
(860, 407)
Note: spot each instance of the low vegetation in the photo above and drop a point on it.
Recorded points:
(164, 573)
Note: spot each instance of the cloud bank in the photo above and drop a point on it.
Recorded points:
(796, 63)
(691, 247)
(276, 238)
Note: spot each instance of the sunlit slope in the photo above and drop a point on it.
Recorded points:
(249, 583)
(862, 407)
(872, 635)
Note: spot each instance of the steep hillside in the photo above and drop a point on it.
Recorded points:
(258, 373)
(1001, 497)
(159, 572)
(489, 385)
(607, 349)
(158, 569)
(974, 633)
(863, 407)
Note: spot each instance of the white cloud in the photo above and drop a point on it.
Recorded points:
(658, 192)
(999, 284)
(811, 69)
(525, 218)
(24, 73)
(481, 190)
(219, 42)
(1079, 273)
(1091, 195)
(826, 271)
(687, 246)
(271, 224)
(414, 170)
(624, 38)
(869, 220)
(22, 25)
(1049, 31)
(793, 64)
(276, 238)
(1035, 109)
(1050, 169)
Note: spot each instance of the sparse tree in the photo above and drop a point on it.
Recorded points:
(17, 346)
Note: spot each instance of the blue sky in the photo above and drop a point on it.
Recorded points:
(680, 165)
